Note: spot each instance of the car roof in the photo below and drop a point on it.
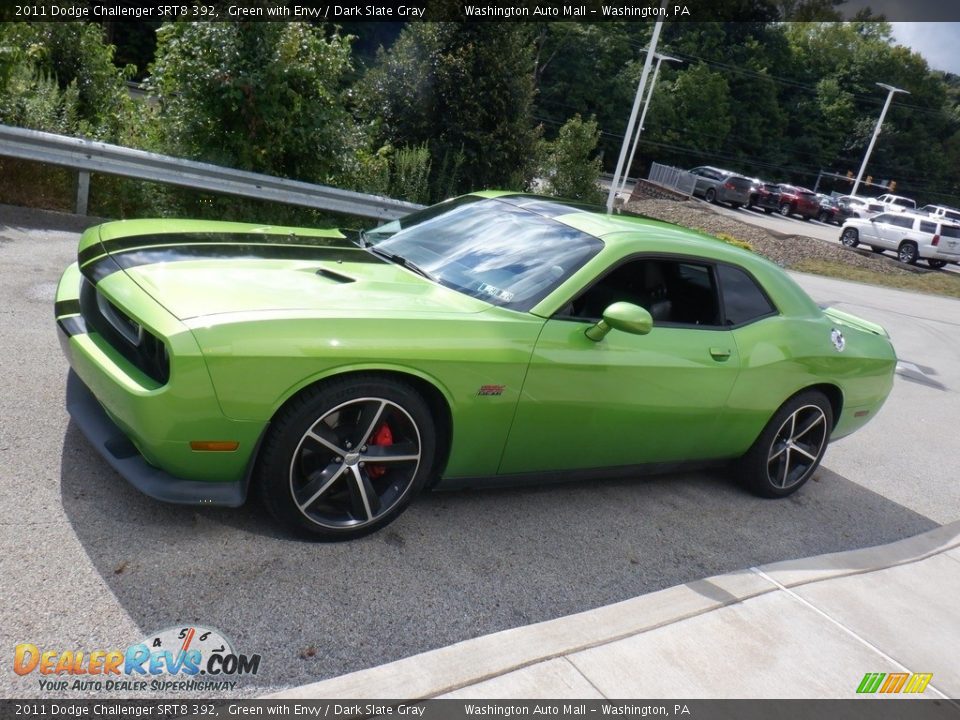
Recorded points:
(614, 229)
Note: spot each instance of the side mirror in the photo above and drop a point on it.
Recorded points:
(623, 316)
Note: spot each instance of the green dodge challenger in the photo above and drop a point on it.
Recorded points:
(491, 339)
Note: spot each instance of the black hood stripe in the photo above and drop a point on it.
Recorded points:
(73, 325)
(124, 260)
(165, 239)
(66, 307)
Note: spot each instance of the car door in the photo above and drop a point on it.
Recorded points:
(628, 399)
(894, 229)
(871, 231)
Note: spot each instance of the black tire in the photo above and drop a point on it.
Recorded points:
(735, 206)
(790, 448)
(908, 252)
(768, 211)
(850, 237)
(824, 217)
(936, 264)
(315, 473)
(785, 209)
(878, 250)
(710, 196)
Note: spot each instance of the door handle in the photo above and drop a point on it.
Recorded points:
(720, 354)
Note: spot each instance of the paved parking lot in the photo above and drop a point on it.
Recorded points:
(89, 563)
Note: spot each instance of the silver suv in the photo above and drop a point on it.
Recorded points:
(912, 236)
(716, 185)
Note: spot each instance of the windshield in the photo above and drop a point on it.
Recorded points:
(489, 249)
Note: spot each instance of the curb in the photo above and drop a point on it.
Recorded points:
(471, 661)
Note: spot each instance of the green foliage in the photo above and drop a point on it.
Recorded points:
(410, 175)
(569, 169)
(265, 97)
(731, 240)
(60, 77)
(465, 90)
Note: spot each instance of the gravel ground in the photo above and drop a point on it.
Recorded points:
(785, 250)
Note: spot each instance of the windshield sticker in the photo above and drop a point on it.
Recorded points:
(491, 291)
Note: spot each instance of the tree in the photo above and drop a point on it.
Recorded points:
(465, 90)
(266, 97)
(569, 169)
(61, 77)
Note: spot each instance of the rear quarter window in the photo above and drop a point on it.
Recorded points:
(743, 300)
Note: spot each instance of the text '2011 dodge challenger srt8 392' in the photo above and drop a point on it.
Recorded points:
(494, 338)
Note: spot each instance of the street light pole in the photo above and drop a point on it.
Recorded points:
(631, 123)
(643, 115)
(876, 132)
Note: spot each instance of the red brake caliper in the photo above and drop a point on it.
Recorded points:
(383, 436)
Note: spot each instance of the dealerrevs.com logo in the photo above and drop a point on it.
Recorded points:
(178, 658)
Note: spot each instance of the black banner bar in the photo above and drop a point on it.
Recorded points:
(873, 708)
(472, 10)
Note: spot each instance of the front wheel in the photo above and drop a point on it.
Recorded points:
(824, 217)
(850, 238)
(936, 264)
(908, 253)
(785, 209)
(790, 447)
(347, 457)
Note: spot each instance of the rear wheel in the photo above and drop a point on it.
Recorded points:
(823, 217)
(790, 447)
(936, 264)
(347, 457)
(850, 237)
(710, 196)
(908, 252)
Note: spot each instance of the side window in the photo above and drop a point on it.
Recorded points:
(928, 227)
(901, 221)
(743, 300)
(673, 291)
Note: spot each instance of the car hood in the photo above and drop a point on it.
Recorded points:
(197, 269)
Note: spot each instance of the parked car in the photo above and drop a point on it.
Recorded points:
(490, 339)
(913, 237)
(798, 201)
(859, 207)
(830, 210)
(765, 196)
(716, 185)
(896, 203)
(941, 211)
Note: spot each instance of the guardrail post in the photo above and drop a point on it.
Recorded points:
(83, 191)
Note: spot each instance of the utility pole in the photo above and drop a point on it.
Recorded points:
(651, 50)
(876, 132)
(643, 115)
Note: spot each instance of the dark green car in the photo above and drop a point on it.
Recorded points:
(494, 338)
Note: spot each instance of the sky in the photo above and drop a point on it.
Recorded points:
(938, 42)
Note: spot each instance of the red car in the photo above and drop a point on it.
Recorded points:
(798, 201)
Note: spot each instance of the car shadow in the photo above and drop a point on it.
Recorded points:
(454, 566)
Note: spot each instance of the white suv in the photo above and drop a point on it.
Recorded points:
(912, 236)
(897, 203)
(941, 211)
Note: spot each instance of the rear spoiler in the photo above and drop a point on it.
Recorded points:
(859, 323)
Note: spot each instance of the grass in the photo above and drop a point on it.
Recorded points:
(939, 283)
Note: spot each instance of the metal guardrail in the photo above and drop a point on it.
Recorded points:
(88, 156)
(673, 178)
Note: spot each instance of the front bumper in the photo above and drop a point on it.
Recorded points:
(116, 448)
